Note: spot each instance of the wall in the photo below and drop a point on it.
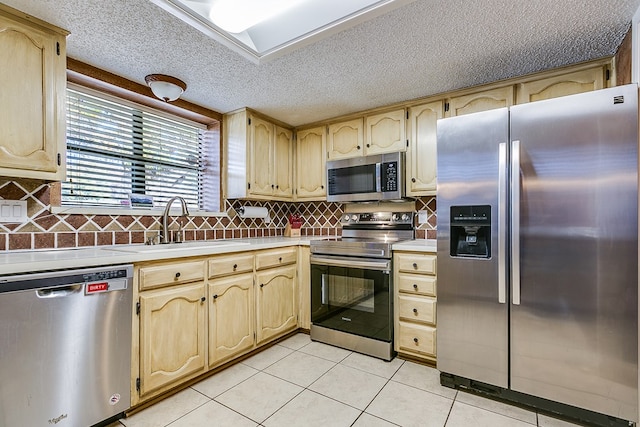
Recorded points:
(45, 230)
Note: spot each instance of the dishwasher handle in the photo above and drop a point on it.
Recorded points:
(59, 291)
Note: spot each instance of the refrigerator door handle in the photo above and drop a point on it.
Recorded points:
(515, 221)
(502, 223)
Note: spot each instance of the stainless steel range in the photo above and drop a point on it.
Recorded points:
(351, 282)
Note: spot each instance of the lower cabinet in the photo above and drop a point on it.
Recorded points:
(231, 317)
(415, 304)
(172, 335)
(276, 302)
(195, 314)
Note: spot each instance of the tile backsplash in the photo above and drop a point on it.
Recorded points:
(45, 230)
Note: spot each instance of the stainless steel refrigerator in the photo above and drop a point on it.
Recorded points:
(538, 251)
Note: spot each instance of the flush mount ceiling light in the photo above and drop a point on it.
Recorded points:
(165, 87)
(265, 29)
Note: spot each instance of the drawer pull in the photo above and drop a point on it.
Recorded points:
(415, 311)
(235, 266)
(280, 259)
(177, 274)
(415, 340)
(415, 265)
(203, 299)
(415, 286)
(262, 285)
(215, 297)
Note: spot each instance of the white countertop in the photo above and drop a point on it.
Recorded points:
(18, 262)
(418, 245)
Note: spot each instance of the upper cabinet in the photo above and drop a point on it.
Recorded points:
(346, 139)
(481, 101)
(385, 132)
(32, 103)
(259, 157)
(421, 154)
(311, 149)
(564, 84)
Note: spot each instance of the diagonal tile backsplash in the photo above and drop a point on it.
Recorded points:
(45, 230)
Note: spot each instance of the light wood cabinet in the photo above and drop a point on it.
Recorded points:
(259, 158)
(346, 139)
(276, 302)
(415, 304)
(311, 149)
(172, 335)
(481, 101)
(304, 285)
(385, 132)
(33, 99)
(231, 317)
(421, 154)
(564, 84)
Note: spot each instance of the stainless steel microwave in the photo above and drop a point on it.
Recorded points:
(368, 178)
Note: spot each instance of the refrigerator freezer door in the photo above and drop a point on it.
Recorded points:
(472, 320)
(574, 336)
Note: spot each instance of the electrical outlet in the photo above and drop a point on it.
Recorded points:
(13, 211)
(423, 217)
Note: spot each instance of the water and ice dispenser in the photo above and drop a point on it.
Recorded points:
(471, 231)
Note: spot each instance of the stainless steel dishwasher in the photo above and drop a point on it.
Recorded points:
(65, 347)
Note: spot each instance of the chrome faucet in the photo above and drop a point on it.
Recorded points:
(164, 238)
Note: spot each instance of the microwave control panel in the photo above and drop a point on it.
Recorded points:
(389, 176)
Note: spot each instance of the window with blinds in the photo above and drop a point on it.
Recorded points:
(115, 150)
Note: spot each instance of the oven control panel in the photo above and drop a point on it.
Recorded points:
(390, 218)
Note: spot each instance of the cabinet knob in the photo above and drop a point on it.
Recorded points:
(415, 340)
(203, 299)
(322, 186)
(272, 186)
(415, 286)
(277, 186)
(177, 274)
(413, 180)
(368, 145)
(280, 259)
(235, 266)
(415, 265)
(215, 296)
(415, 311)
(358, 147)
(262, 285)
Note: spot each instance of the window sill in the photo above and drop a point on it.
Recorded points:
(95, 210)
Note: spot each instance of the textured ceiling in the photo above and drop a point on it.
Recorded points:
(423, 48)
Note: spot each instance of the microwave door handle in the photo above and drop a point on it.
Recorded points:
(378, 177)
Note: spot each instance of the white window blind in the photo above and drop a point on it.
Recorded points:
(115, 149)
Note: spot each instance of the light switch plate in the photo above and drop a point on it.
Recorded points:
(13, 211)
(423, 217)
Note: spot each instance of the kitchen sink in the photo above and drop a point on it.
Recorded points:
(175, 247)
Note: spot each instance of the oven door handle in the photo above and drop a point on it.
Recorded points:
(379, 265)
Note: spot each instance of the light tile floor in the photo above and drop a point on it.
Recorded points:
(302, 383)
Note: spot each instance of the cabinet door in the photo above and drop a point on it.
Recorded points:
(346, 139)
(261, 136)
(566, 84)
(276, 302)
(385, 132)
(231, 325)
(172, 335)
(283, 163)
(311, 157)
(421, 155)
(481, 101)
(32, 102)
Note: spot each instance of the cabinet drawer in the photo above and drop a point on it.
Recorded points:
(276, 258)
(417, 338)
(224, 265)
(155, 276)
(416, 263)
(417, 309)
(417, 284)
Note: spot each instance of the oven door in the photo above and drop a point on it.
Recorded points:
(352, 295)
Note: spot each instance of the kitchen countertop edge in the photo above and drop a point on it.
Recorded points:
(418, 245)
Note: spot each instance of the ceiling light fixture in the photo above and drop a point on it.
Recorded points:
(236, 16)
(165, 87)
